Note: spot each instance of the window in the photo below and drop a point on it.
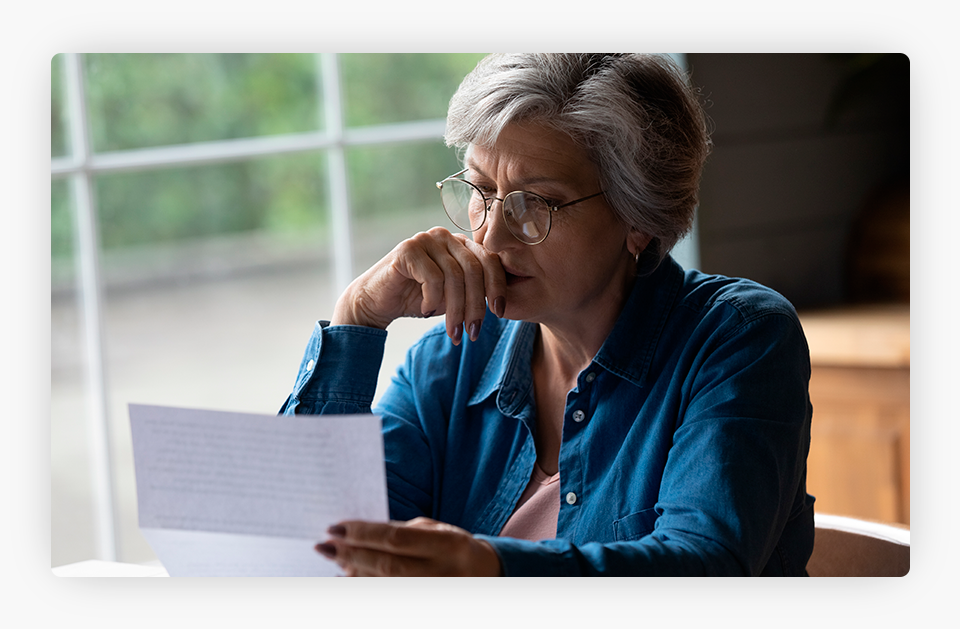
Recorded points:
(206, 210)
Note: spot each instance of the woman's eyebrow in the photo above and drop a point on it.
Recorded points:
(524, 181)
(470, 165)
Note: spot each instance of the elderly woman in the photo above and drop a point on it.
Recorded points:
(588, 407)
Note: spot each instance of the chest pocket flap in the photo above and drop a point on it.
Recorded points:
(635, 525)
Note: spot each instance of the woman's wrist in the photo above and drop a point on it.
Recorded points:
(488, 563)
(349, 311)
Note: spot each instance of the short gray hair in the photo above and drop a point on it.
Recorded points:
(635, 115)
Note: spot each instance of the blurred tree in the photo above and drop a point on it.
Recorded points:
(143, 100)
(392, 179)
(59, 135)
(61, 229)
(385, 88)
(147, 100)
(282, 193)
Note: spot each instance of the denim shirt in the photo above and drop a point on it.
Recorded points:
(684, 441)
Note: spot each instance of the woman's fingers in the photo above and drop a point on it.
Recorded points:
(467, 291)
(421, 259)
(433, 272)
(456, 277)
(494, 277)
(418, 547)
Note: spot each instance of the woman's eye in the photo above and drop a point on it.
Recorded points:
(541, 202)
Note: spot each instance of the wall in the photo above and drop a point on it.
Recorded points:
(783, 188)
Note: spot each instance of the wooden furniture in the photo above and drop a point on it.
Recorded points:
(850, 547)
(859, 461)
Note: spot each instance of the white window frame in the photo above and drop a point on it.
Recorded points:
(83, 165)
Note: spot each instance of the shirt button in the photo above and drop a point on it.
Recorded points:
(578, 416)
(591, 377)
(310, 365)
(571, 498)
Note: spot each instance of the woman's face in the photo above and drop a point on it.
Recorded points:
(584, 267)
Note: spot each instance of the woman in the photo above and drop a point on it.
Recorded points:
(588, 406)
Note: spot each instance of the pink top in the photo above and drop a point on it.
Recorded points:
(535, 517)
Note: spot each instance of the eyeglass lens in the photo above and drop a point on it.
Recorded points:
(526, 215)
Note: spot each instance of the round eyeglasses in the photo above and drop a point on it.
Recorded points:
(527, 215)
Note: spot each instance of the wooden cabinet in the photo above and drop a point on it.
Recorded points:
(859, 461)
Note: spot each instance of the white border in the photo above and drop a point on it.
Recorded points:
(34, 32)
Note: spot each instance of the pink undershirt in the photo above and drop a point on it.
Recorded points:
(535, 517)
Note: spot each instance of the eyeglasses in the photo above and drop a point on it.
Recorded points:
(528, 216)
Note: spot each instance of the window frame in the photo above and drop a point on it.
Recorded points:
(82, 164)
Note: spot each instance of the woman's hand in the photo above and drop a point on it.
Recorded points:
(420, 547)
(434, 272)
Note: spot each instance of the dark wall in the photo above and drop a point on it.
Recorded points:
(802, 142)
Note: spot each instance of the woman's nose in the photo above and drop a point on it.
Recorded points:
(494, 235)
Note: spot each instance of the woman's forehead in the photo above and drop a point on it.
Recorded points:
(530, 153)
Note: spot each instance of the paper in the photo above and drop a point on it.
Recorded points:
(235, 494)
(97, 568)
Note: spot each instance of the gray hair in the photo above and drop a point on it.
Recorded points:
(635, 115)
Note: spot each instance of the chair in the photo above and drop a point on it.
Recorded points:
(850, 547)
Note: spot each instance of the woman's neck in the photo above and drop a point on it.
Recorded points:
(565, 348)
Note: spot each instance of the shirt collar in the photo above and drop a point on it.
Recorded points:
(630, 347)
(627, 352)
(508, 369)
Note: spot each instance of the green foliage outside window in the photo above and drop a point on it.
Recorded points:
(147, 100)
(385, 88)
(59, 143)
(61, 223)
(284, 192)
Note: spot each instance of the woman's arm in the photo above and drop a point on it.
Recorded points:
(432, 273)
(732, 498)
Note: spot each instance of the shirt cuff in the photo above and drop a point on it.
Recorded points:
(523, 558)
(340, 364)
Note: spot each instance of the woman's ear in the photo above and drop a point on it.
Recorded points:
(637, 241)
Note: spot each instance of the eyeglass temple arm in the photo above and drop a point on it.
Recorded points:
(557, 207)
(440, 183)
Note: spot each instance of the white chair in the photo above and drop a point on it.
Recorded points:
(850, 547)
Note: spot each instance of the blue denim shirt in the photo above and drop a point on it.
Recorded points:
(684, 442)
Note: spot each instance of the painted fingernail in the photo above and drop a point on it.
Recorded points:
(337, 530)
(499, 306)
(457, 334)
(475, 330)
(429, 314)
(327, 550)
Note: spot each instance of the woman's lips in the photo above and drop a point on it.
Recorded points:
(513, 276)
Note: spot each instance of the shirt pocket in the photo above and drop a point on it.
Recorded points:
(635, 525)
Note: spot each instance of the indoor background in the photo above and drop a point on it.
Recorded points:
(207, 209)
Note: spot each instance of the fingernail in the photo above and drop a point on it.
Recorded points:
(475, 330)
(327, 550)
(337, 530)
(457, 334)
(429, 314)
(499, 306)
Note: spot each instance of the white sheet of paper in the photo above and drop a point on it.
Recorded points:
(98, 568)
(236, 494)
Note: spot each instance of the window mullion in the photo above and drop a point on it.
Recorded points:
(89, 291)
(329, 67)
